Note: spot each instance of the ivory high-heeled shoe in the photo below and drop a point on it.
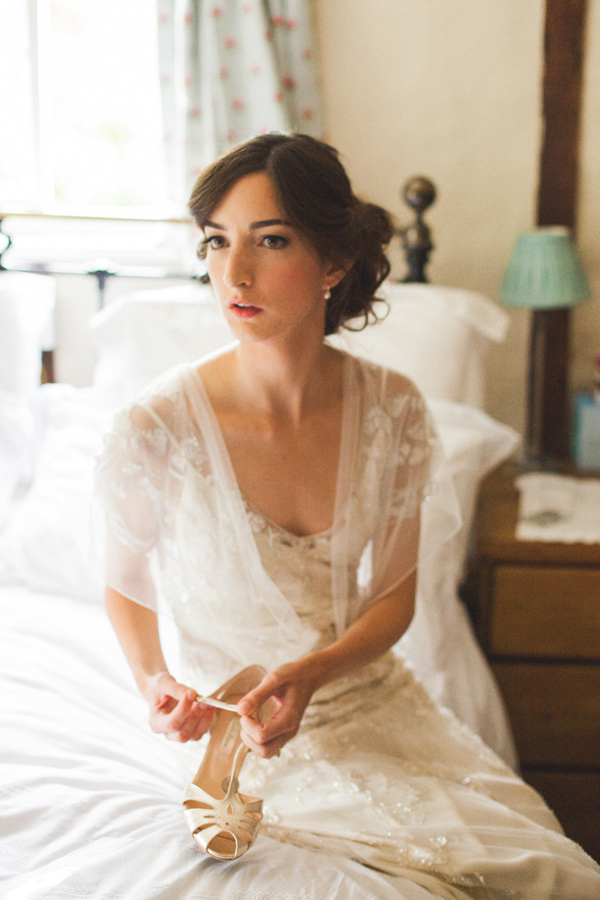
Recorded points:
(223, 822)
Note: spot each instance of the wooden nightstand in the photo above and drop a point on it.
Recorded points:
(537, 612)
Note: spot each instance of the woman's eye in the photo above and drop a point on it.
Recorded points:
(214, 241)
(274, 241)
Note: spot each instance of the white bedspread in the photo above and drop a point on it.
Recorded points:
(91, 798)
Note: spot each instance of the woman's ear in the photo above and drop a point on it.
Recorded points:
(336, 274)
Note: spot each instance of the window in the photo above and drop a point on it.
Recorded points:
(81, 118)
(82, 136)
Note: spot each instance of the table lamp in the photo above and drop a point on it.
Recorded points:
(545, 274)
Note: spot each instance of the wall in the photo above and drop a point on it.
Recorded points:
(452, 90)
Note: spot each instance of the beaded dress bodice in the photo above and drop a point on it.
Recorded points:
(301, 567)
(299, 564)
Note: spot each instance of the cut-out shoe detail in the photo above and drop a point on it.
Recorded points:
(223, 822)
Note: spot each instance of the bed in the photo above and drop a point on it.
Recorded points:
(91, 798)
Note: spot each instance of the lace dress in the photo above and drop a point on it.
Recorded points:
(377, 772)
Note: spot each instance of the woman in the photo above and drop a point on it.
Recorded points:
(269, 499)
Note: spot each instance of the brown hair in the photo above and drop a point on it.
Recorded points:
(315, 195)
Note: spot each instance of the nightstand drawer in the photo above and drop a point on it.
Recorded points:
(553, 711)
(550, 611)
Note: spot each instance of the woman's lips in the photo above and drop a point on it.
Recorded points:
(244, 310)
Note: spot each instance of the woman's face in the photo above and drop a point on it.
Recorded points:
(268, 278)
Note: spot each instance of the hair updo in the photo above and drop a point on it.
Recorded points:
(315, 194)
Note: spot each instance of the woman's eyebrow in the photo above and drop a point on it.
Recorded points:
(266, 223)
(263, 223)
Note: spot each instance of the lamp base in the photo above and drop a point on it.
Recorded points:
(547, 444)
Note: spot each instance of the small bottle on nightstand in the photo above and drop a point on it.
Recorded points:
(586, 433)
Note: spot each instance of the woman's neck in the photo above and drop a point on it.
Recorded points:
(283, 385)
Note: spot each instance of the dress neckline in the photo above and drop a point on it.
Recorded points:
(284, 532)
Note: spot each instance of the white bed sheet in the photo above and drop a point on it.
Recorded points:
(91, 798)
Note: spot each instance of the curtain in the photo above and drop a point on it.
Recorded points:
(231, 69)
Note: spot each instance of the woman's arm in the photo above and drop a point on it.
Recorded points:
(371, 635)
(174, 710)
(292, 685)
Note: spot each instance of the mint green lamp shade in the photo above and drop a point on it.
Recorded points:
(544, 271)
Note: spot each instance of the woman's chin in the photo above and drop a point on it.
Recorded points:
(250, 329)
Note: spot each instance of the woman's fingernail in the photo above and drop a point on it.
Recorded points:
(243, 708)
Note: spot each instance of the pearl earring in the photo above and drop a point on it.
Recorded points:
(327, 294)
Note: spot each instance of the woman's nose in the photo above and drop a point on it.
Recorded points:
(238, 270)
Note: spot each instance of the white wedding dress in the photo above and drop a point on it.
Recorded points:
(377, 773)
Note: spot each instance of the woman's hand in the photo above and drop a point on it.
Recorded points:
(290, 688)
(174, 709)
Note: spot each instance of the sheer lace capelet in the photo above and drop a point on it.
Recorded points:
(176, 533)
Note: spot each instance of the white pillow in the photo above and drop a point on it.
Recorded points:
(438, 336)
(26, 320)
(474, 444)
(17, 449)
(46, 543)
(139, 336)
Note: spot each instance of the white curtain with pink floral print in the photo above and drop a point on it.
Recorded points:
(231, 69)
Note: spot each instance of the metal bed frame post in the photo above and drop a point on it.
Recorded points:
(100, 269)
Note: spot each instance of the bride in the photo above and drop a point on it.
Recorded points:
(269, 499)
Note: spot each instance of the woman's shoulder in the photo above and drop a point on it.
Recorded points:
(159, 408)
(387, 383)
(165, 396)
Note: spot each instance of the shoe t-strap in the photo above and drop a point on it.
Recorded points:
(230, 783)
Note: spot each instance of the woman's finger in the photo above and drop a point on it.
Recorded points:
(282, 725)
(200, 720)
(266, 750)
(271, 686)
(188, 724)
(186, 709)
(263, 732)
